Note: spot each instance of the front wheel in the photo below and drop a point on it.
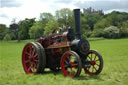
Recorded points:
(71, 64)
(94, 63)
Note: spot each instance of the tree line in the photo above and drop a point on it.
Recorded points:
(112, 25)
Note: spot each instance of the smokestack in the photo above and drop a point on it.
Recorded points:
(77, 22)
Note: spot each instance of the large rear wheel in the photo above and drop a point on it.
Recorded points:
(71, 64)
(32, 58)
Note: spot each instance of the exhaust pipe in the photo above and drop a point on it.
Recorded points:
(77, 23)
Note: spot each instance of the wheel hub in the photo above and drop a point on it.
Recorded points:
(93, 62)
(31, 59)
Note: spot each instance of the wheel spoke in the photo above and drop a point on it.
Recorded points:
(95, 58)
(66, 66)
(36, 60)
(66, 62)
(94, 68)
(35, 55)
(68, 58)
(97, 64)
(71, 68)
(27, 53)
(74, 64)
(91, 69)
(29, 68)
(90, 58)
(30, 51)
(27, 61)
(71, 63)
(34, 65)
(33, 51)
(28, 65)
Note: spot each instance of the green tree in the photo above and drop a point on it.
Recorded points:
(124, 29)
(64, 17)
(25, 25)
(124, 24)
(112, 19)
(84, 27)
(91, 20)
(46, 16)
(14, 28)
(36, 30)
(116, 18)
(7, 37)
(111, 32)
(3, 31)
(50, 26)
(102, 24)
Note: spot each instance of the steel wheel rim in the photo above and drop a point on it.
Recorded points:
(93, 57)
(68, 65)
(30, 59)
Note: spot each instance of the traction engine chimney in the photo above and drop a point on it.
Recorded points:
(77, 23)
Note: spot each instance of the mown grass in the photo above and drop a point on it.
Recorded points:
(115, 71)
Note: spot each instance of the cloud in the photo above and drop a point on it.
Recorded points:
(3, 15)
(29, 9)
(104, 4)
(21, 9)
(10, 3)
(121, 10)
(64, 1)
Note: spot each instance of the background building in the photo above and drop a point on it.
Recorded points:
(93, 11)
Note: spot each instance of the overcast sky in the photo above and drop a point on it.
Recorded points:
(21, 9)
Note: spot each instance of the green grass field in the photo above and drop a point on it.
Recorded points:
(115, 71)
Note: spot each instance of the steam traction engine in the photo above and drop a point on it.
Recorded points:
(66, 51)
